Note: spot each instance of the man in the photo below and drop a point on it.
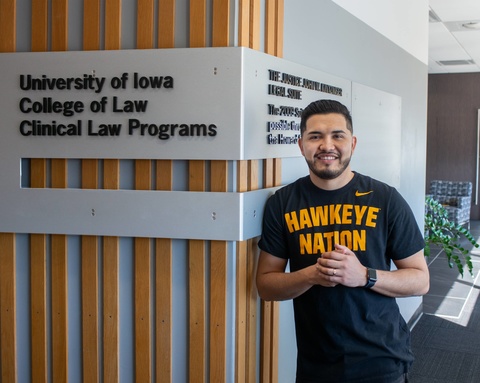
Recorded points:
(340, 230)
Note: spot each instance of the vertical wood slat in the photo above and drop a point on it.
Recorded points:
(254, 24)
(59, 14)
(59, 308)
(113, 19)
(221, 23)
(7, 26)
(196, 248)
(251, 291)
(163, 338)
(277, 180)
(197, 281)
(8, 340)
(38, 285)
(218, 249)
(110, 310)
(166, 24)
(163, 276)
(39, 25)
(267, 354)
(269, 321)
(241, 290)
(198, 23)
(111, 171)
(218, 286)
(244, 23)
(145, 24)
(89, 250)
(143, 168)
(59, 286)
(91, 24)
(38, 250)
(163, 246)
(197, 337)
(272, 177)
(274, 27)
(90, 354)
(279, 21)
(143, 354)
(270, 26)
(59, 25)
(38, 308)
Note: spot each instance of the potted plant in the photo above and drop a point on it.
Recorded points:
(440, 231)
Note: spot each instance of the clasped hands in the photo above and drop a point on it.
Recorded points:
(340, 266)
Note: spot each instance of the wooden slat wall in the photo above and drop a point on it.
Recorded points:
(152, 340)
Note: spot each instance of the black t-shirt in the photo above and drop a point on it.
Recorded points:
(344, 334)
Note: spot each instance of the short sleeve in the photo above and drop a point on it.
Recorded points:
(273, 239)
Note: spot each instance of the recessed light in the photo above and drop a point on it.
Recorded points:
(472, 25)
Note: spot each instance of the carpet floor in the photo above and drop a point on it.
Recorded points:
(446, 338)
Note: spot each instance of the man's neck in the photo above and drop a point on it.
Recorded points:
(333, 184)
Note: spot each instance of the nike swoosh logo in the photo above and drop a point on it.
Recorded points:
(361, 194)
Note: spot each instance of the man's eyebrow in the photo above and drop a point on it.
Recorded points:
(332, 132)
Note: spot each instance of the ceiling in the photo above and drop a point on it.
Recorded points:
(454, 45)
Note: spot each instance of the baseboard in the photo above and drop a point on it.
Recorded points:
(415, 317)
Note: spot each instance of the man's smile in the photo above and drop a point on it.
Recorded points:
(327, 157)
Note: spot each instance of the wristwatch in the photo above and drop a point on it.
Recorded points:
(371, 278)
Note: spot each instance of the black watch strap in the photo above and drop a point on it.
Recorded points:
(371, 278)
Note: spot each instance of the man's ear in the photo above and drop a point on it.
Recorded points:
(354, 143)
(300, 145)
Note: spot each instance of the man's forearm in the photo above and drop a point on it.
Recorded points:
(402, 283)
(280, 286)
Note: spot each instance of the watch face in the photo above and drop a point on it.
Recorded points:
(372, 274)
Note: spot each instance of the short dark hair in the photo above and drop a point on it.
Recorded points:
(325, 107)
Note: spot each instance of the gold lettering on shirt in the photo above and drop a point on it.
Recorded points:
(331, 215)
(318, 243)
(292, 221)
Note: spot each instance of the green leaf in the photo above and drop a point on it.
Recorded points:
(440, 231)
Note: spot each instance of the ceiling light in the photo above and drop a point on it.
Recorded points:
(456, 62)
(472, 25)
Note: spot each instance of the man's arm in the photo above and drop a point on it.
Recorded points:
(411, 278)
(274, 284)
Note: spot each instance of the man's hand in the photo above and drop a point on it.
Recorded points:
(341, 266)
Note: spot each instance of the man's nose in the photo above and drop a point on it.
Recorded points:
(326, 144)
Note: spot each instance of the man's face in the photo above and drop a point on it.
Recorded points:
(327, 145)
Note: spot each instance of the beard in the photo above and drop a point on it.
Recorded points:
(328, 172)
